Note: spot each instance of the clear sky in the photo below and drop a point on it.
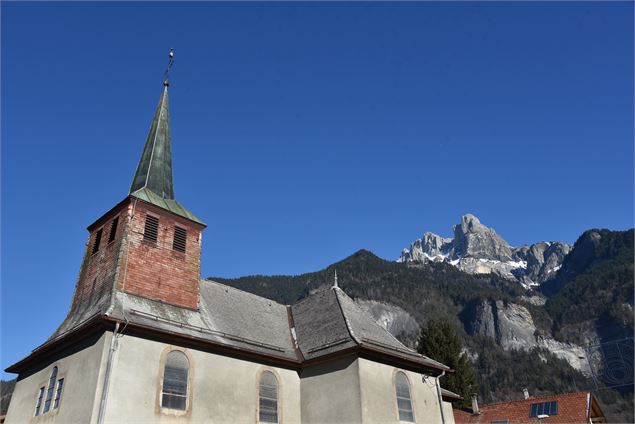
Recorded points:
(303, 132)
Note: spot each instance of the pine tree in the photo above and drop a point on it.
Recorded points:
(440, 341)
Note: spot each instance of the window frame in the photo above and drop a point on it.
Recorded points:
(145, 222)
(275, 374)
(38, 401)
(99, 235)
(174, 238)
(535, 406)
(112, 235)
(59, 391)
(396, 372)
(50, 390)
(159, 408)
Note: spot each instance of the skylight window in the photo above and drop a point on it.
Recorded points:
(544, 408)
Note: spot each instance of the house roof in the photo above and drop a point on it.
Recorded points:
(449, 396)
(572, 408)
(325, 323)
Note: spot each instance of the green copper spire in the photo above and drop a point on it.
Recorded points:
(154, 171)
(152, 181)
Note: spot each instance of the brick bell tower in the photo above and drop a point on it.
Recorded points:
(147, 245)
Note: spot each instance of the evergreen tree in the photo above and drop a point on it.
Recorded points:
(440, 341)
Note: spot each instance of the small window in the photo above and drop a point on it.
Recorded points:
(180, 236)
(174, 392)
(38, 404)
(151, 229)
(58, 393)
(113, 229)
(97, 240)
(404, 404)
(544, 408)
(505, 421)
(268, 398)
(49, 391)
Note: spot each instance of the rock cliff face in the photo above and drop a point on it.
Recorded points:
(512, 326)
(393, 318)
(478, 249)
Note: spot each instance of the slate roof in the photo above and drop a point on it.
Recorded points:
(330, 321)
(324, 323)
(226, 316)
(320, 325)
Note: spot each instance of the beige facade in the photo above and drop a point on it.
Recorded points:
(82, 372)
(379, 404)
(221, 389)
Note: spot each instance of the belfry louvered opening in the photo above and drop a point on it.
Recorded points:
(180, 237)
(151, 230)
(97, 240)
(113, 229)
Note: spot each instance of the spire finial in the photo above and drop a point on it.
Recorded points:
(335, 280)
(166, 81)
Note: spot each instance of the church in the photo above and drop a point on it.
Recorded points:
(146, 340)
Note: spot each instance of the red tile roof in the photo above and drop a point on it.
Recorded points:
(572, 408)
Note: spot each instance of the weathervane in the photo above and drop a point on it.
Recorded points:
(167, 70)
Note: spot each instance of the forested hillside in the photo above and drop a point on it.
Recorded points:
(591, 299)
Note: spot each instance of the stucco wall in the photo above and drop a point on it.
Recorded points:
(379, 402)
(330, 393)
(449, 412)
(81, 371)
(221, 389)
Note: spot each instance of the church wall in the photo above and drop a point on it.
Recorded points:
(156, 270)
(99, 269)
(221, 388)
(378, 394)
(330, 392)
(81, 368)
(448, 412)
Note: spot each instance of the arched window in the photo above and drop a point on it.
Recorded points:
(268, 398)
(49, 391)
(404, 403)
(175, 373)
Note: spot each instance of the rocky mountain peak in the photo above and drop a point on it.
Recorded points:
(473, 239)
(479, 249)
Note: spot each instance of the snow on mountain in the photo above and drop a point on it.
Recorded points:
(478, 249)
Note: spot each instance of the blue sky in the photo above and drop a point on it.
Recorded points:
(303, 132)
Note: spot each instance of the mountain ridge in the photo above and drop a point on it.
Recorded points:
(478, 249)
(500, 321)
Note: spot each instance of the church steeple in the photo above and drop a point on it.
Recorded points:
(154, 171)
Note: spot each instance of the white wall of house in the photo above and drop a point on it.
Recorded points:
(378, 395)
(330, 392)
(221, 389)
(82, 373)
